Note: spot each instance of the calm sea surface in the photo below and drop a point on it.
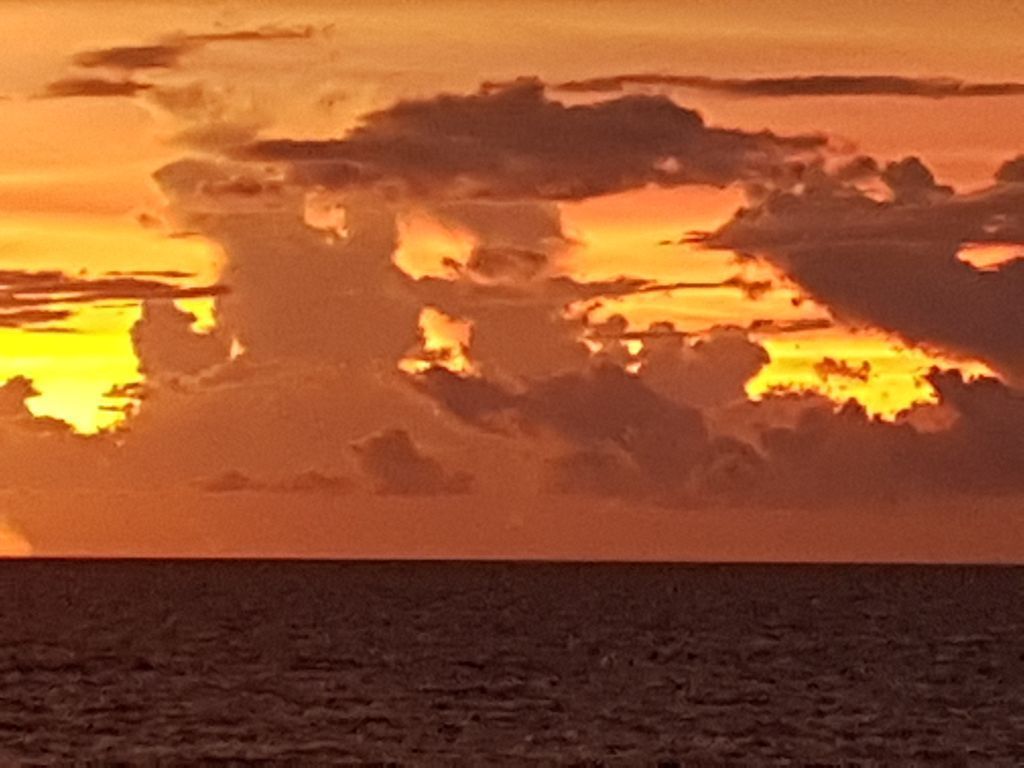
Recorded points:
(431, 664)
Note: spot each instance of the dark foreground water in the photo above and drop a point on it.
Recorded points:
(432, 664)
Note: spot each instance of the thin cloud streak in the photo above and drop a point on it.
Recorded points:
(167, 54)
(802, 86)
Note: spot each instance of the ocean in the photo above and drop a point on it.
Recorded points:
(506, 664)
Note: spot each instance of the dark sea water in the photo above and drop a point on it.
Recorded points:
(435, 664)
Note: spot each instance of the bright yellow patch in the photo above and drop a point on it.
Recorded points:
(444, 343)
(75, 363)
(895, 373)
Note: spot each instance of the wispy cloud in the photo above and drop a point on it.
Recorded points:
(167, 53)
(803, 85)
(93, 87)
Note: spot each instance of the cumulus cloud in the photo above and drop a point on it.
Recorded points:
(325, 313)
(602, 417)
(827, 458)
(515, 142)
(912, 182)
(708, 371)
(294, 293)
(615, 436)
(521, 327)
(166, 345)
(802, 86)
(396, 466)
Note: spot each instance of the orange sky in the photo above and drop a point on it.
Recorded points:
(297, 348)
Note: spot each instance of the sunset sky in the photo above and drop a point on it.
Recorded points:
(680, 280)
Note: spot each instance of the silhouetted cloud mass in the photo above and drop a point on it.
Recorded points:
(893, 263)
(396, 466)
(619, 437)
(514, 142)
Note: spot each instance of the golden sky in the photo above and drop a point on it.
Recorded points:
(697, 268)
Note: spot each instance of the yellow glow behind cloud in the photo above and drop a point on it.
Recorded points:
(895, 383)
(75, 363)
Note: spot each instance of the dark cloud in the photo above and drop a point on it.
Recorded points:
(599, 411)
(24, 288)
(779, 327)
(41, 300)
(242, 186)
(828, 458)
(619, 438)
(809, 85)
(74, 87)
(1012, 171)
(893, 263)
(231, 481)
(508, 264)
(267, 33)
(613, 434)
(527, 224)
(27, 318)
(911, 181)
(168, 53)
(132, 57)
(710, 370)
(515, 142)
(521, 328)
(517, 241)
(397, 467)
(308, 482)
(168, 274)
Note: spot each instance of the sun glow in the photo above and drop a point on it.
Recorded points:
(428, 248)
(81, 364)
(882, 374)
(444, 343)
